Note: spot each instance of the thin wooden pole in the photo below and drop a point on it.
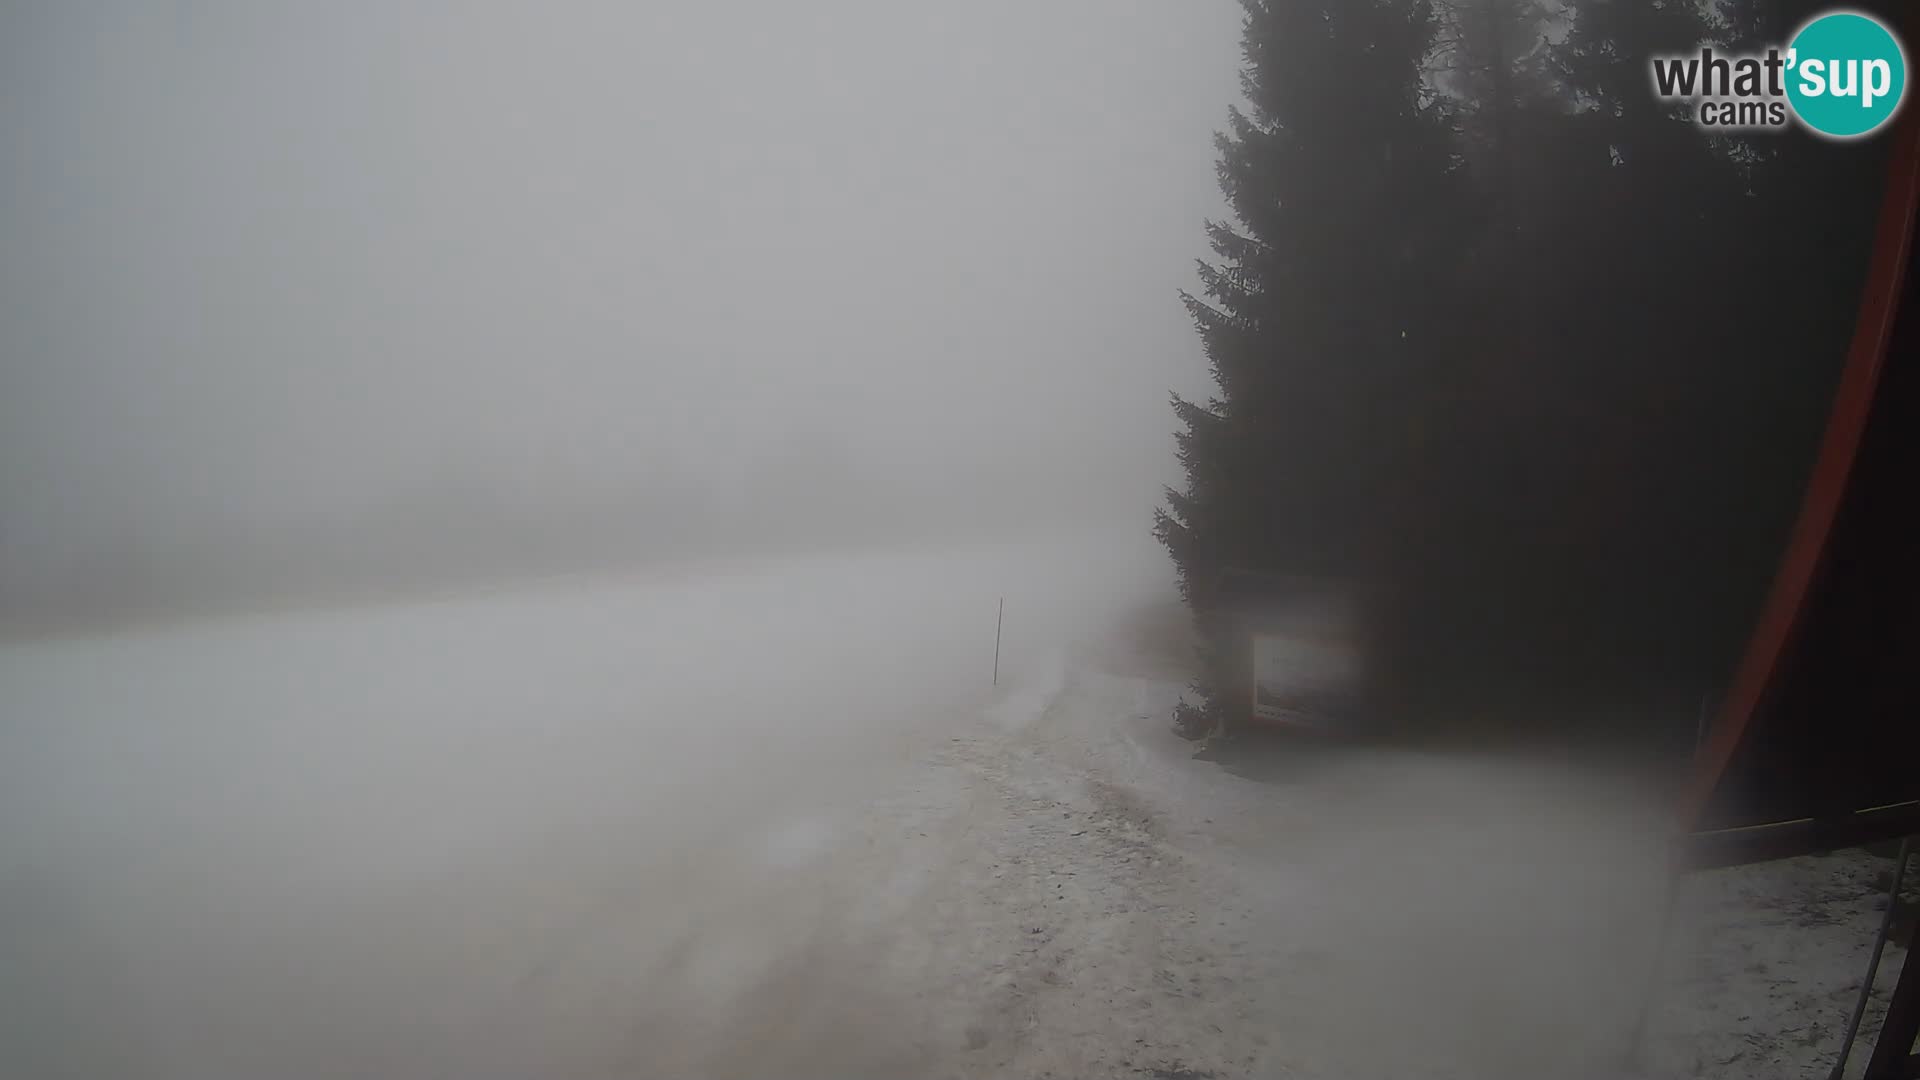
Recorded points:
(998, 617)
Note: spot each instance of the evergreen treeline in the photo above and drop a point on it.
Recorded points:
(1498, 331)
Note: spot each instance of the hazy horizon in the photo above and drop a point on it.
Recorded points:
(341, 294)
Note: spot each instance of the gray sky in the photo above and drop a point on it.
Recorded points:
(270, 269)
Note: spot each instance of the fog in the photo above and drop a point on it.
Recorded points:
(596, 442)
(298, 297)
(711, 824)
(469, 834)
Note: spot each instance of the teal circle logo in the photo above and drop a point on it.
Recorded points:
(1846, 74)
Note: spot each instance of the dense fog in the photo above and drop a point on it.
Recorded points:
(471, 833)
(747, 540)
(298, 298)
(711, 823)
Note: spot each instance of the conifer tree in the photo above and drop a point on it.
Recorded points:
(1320, 314)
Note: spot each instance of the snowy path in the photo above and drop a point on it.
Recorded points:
(1058, 889)
(1065, 892)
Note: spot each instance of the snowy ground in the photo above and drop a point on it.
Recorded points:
(1769, 965)
(773, 822)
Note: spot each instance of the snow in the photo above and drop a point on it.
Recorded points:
(1767, 965)
(774, 821)
(791, 844)
(1026, 703)
(470, 832)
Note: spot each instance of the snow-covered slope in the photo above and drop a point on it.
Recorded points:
(774, 822)
(457, 833)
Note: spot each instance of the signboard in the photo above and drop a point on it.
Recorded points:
(1309, 643)
(1296, 679)
(1306, 663)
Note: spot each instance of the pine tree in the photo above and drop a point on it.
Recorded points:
(1658, 229)
(1321, 314)
(1492, 59)
(1570, 334)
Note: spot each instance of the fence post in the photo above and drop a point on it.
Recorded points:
(998, 617)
